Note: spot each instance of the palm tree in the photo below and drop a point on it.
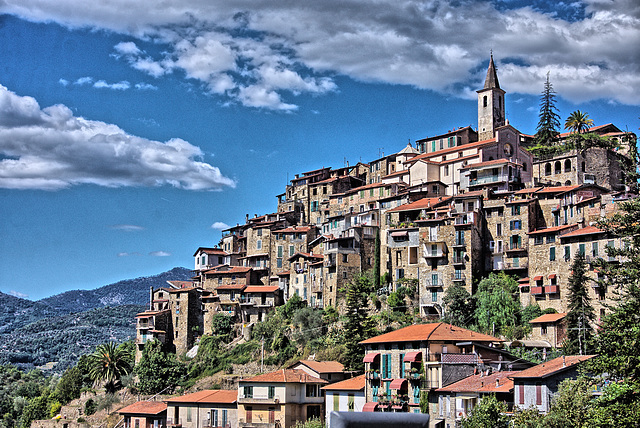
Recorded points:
(109, 362)
(578, 122)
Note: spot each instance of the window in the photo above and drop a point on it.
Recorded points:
(259, 232)
(271, 392)
(538, 240)
(515, 209)
(552, 254)
(351, 402)
(521, 394)
(484, 101)
(345, 258)
(279, 250)
(551, 239)
(188, 414)
(214, 418)
(567, 165)
(538, 393)
(516, 224)
(224, 418)
(581, 249)
(248, 392)
(557, 167)
(594, 249)
(336, 401)
(499, 229)
(543, 329)
(446, 170)
(259, 244)
(547, 169)
(292, 250)
(567, 253)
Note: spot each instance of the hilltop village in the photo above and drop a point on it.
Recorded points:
(449, 209)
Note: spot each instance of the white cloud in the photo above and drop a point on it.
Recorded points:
(125, 254)
(63, 82)
(120, 86)
(84, 81)
(127, 227)
(159, 254)
(263, 53)
(15, 293)
(146, 87)
(219, 225)
(51, 149)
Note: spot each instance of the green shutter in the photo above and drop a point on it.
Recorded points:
(336, 401)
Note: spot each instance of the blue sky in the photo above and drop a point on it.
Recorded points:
(129, 134)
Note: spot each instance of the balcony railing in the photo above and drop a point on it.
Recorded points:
(523, 264)
(551, 289)
(517, 246)
(431, 283)
(259, 399)
(459, 243)
(458, 277)
(457, 260)
(453, 358)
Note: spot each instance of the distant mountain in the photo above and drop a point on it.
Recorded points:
(63, 339)
(127, 292)
(63, 327)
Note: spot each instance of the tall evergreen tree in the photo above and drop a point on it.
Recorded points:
(549, 119)
(581, 316)
(458, 306)
(358, 325)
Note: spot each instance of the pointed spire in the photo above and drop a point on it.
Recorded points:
(491, 82)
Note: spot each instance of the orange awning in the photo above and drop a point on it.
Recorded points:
(552, 276)
(370, 407)
(371, 357)
(537, 278)
(412, 357)
(398, 383)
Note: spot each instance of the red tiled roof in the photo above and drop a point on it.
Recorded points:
(550, 367)
(397, 173)
(589, 230)
(529, 190)
(147, 314)
(231, 287)
(181, 284)
(208, 396)
(285, 376)
(353, 384)
(307, 256)
(261, 289)
(433, 331)
(593, 128)
(487, 163)
(553, 229)
(480, 383)
(145, 408)
(179, 290)
(321, 366)
(473, 194)
(420, 204)
(209, 250)
(296, 229)
(557, 189)
(230, 269)
(547, 318)
(453, 149)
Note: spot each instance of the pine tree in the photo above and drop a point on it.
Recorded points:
(358, 325)
(549, 123)
(581, 316)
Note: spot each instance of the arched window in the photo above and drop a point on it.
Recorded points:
(484, 101)
(558, 168)
(547, 169)
(584, 166)
(567, 183)
(567, 165)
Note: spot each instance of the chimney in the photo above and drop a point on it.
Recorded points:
(247, 217)
(497, 383)
(564, 364)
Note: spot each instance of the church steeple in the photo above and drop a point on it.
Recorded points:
(491, 114)
(491, 81)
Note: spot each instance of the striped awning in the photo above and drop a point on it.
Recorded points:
(413, 357)
(370, 407)
(398, 384)
(371, 357)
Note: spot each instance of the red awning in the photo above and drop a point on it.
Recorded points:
(552, 276)
(371, 357)
(403, 233)
(412, 357)
(537, 278)
(398, 383)
(370, 407)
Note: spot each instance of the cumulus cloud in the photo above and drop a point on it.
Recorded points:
(127, 227)
(50, 149)
(15, 293)
(264, 54)
(159, 254)
(125, 254)
(218, 225)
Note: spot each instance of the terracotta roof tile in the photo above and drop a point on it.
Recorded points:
(144, 408)
(589, 230)
(550, 367)
(488, 163)
(547, 318)
(285, 376)
(228, 269)
(554, 229)
(322, 366)
(480, 383)
(453, 149)
(353, 384)
(420, 204)
(432, 331)
(261, 289)
(297, 229)
(557, 189)
(231, 287)
(222, 396)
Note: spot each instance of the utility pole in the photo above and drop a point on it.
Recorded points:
(262, 355)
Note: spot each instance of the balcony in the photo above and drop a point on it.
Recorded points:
(452, 358)
(458, 260)
(465, 219)
(537, 290)
(430, 283)
(517, 246)
(259, 399)
(458, 277)
(429, 301)
(459, 242)
(372, 375)
(523, 264)
(551, 289)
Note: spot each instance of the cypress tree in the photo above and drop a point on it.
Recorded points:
(549, 123)
(581, 316)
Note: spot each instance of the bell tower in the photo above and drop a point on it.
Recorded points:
(490, 105)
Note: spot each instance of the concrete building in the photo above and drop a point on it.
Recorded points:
(144, 414)
(279, 399)
(344, 396)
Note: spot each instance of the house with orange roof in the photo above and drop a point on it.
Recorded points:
(209, 408)
(345, 396)
(331, 371)
(208, 257)
(258, 300)
(279, 399)
(536, 386)
(144, 414)
(456, 400)
(402, 363)
(551, 328)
